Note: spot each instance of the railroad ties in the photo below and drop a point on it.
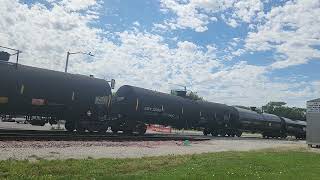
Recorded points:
(32, 135)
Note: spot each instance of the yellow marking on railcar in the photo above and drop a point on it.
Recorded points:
(4, 100)
(137, 104)
(22, 89)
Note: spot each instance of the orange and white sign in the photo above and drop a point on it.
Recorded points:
(159, 128)
(38, 102)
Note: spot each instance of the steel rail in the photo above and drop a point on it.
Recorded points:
(67, 136)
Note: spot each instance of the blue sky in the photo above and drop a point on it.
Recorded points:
(244, 52)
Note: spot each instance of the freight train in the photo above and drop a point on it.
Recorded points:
(86, 103)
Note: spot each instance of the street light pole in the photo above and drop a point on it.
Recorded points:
(17, 53)
(68, 54)
(67, 62)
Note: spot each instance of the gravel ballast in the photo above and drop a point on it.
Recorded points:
(103, 149)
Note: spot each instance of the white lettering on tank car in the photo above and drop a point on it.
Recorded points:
(154, 109)
(101, 100)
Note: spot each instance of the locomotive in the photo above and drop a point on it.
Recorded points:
(82, 101)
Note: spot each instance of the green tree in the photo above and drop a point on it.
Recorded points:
(194, 96)
(279, 108)
(251, 108)
(191, 95)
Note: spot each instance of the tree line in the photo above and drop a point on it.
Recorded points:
(276, 108)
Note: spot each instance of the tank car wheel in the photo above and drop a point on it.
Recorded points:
(213, 133)
(142, 131)
(141, 128)
(128, 132)
(284, 136)
(205, 132)
(223, 134)
(114, 129)
(103, 129)
(70, 126)
(238, 134)
(80, 129)
(91, 129)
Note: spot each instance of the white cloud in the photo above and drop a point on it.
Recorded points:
(135, 57)
(232, 22)
(77, 5)
(46, 35)
(248, 10)
(197, 14)
(291, 30)
(194, 14)
(136, 23)
(244, 84)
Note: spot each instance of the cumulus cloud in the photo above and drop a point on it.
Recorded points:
(77, 5)
(136, 57)
(248, 10)
(197, 14)
(194, 14)
(247, 84)
(292, 31)
(46, 35)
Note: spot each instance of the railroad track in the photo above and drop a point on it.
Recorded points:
(29, 135)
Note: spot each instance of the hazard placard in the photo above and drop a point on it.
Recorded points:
(38, 102)
(4, 100)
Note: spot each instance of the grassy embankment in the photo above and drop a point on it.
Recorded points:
(225, 165)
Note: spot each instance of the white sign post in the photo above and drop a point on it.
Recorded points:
(313, 123)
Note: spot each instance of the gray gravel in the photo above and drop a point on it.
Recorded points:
(33, 150)
(102, 149)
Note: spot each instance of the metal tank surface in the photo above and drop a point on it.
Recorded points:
(269, 125)
(274, 126)
(34, 91)
(295, 128)
(134, 106)
(313, 122)
(218, 119)
(250, 121)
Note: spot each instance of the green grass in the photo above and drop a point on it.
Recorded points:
(226, 165)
